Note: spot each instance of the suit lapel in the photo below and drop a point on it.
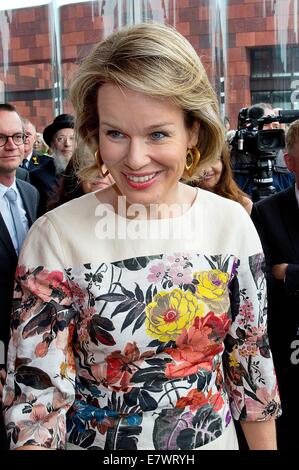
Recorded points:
(5, 237)
(31, 166)
(290, 215)
(25, 195)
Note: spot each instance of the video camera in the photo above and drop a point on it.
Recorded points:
(254, 149)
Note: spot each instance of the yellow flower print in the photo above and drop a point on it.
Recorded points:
(232, 358)
(170, 313)
(212, 285)
(63, 370)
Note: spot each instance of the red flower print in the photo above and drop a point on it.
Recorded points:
(121, 366)
(195, 399)
(195, 349)
(41, 349)
(215, 400)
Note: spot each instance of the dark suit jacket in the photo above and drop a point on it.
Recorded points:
(23, 174)
(37, 160)
(45, 180)
(8, 257)
(277, 221)
(8, 263)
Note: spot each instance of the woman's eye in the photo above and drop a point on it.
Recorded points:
(158, 135)
(114, 134)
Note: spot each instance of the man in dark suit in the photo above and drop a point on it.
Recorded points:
(18, 209)
(277, 221)
(32, 159)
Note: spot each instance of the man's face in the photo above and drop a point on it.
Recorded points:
(30, 133)
(11, 155)
(63, 143)
(271, 125)
(292, 161)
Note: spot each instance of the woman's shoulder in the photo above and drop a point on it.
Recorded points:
(227, 215)
(80, 205)
(247, 204)
(217, 203)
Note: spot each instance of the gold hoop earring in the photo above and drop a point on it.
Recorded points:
(189, 160)
(100, 163)
(192, 159)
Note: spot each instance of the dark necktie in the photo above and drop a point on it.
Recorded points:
(25, 163)
(11, 196)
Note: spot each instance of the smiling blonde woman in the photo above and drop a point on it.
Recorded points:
(152, 336)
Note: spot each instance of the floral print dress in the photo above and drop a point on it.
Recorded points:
(156, 343)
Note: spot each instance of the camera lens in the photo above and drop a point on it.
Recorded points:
(270, 140)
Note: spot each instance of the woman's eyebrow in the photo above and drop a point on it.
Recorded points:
(152, 126)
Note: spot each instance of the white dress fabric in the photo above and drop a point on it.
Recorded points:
(139, 334)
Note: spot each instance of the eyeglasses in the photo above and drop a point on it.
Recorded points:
(28, 135)
(64, 139)
(18, 139)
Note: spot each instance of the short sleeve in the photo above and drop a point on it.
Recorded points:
(248, 365)
(39, 387)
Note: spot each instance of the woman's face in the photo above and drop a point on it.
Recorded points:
(39, 144)
(211, 175)
(98, 182)
(143, 143)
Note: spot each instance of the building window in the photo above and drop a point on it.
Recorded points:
(274, 71)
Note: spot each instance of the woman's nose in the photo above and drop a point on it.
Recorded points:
(137, 155)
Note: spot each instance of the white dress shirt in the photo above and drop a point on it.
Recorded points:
(6, 213)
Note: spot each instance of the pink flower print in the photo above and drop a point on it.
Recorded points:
(48, 285)
(256, 334)
(157, 273)
(86, 314)
(248, 349)
(77, 292)
(176, 260)
(246, 313)
(38, 426)
(266, 404)
(179, 275)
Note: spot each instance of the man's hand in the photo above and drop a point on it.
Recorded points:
(279, 271)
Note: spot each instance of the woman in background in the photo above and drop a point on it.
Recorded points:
(40, 145)
(79, 179)
(218, 178)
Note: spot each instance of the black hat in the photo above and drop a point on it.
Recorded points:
(63, 121)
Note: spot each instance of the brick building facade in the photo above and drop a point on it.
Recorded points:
(231, 44)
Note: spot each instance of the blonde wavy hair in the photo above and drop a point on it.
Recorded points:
(156, 60)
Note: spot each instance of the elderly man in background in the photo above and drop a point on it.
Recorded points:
(59, 136)
(32, 159)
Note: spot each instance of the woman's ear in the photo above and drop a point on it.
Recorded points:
(194, 131)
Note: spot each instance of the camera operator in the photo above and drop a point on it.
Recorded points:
(277, 221)
(260, 171)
